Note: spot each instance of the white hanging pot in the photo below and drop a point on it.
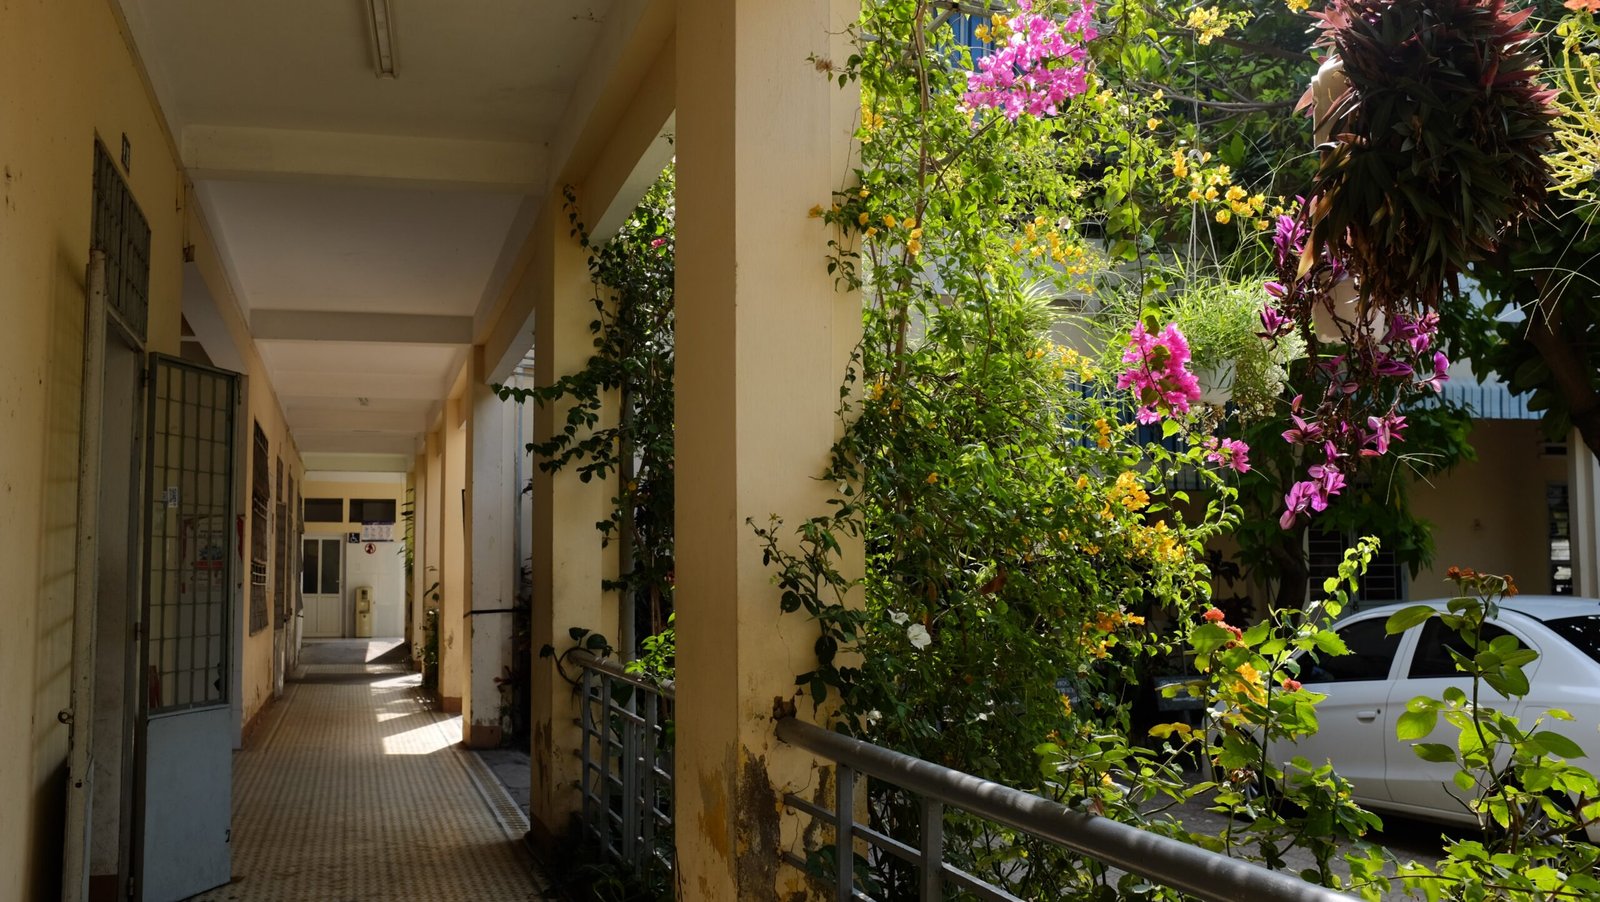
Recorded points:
(1342, 307)
(1216, 384)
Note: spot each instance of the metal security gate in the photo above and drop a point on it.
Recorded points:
(190, 554)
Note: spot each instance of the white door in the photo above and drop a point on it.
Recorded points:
(1430, 669)
(320, 578)
(1351, 720)
(190, 553)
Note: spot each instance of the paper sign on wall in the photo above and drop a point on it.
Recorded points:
(377, 532)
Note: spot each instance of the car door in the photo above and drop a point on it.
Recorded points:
(1428, 669)
(1350, 720)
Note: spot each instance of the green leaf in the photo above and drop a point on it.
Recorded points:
(1434, 751)
(1408, 617)
(1416, 724)
(1558, 744)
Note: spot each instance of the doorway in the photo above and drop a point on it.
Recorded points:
(116, 609)
(321, 575)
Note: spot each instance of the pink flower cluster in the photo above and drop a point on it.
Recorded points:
(1037, 67)
(1228, 452)
(1372, 373)
(1158, 373)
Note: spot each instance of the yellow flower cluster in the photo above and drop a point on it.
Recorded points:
(998, 29)
(1158, 543)
(1297, 6)
(1039, 240)
(1103, 440)
(1208, 23)
(1129, 493)
(1214, 185)
(1109, 621)
(870, 122)
(1063, 360)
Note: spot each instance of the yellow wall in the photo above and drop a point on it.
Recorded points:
(70, 77)
(1491, 515)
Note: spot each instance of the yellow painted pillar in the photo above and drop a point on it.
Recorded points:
(763, 338)
(568, 562)
(492, 556)
(455, 571)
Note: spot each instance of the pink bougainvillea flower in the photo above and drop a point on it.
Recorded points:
(1037, 67)
(1158, 373)
(1231, 453)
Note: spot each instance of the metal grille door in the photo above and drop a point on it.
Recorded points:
(191, 548)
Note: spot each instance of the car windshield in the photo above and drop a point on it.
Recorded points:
(1584, 632)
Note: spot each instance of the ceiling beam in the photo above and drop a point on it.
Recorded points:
(238, 152)
(390, 444)
(356, 421)
(323, 325)
(319, 384)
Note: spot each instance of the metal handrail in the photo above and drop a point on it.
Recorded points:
(626, 759)
(1200, 873)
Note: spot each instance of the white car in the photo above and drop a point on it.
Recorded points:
(1369, 688)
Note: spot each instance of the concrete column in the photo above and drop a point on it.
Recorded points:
(763, 339)
(568, 563)
(494, 564)
(1583, 496)
(454, 571)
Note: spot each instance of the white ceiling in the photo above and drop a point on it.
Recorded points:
(387, 211)
(312, 246)
(497, 70)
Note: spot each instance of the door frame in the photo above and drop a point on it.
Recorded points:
(104, 329)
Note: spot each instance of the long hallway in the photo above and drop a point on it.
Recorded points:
(353, 789)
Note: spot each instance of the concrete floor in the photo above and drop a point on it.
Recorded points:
(354, 790)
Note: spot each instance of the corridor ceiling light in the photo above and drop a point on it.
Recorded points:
(380, 27)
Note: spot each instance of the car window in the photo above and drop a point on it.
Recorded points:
(1433, 659)
(1372, 650)
(1584, 632)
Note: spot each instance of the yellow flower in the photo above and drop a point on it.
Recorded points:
(1236, 193)
(1194, 194)
(981, 33)
(1083, 482)
(1223, 216)
(914, 246)
(1152, 123)
(1129, 493)
(1261, 225)
(872, 230)
(865, 193)
(815, 212)
(1298, 6)
(915, 233)
(1211, 193)
(933, 479)
(910, 223)
(888, 220)
(862, 218)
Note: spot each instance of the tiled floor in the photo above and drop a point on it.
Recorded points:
(354, 791)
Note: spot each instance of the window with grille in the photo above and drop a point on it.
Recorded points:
(260, 517)
(190, 542)
(119, 229)
(1384, 581)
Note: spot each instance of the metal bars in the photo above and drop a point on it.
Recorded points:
(1190, 869)
(119, 229)
(627, 766)
(188, 559)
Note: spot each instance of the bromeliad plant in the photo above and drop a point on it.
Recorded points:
(1517, 778)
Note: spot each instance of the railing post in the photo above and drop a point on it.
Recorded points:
(607, 719)
(647, 776)
(932, 851)
(630, 779)
(844, 817)
(586, 714)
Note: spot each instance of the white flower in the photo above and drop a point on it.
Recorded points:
(874, 716)
(983, 716)
(898, 617)
(918, 634)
